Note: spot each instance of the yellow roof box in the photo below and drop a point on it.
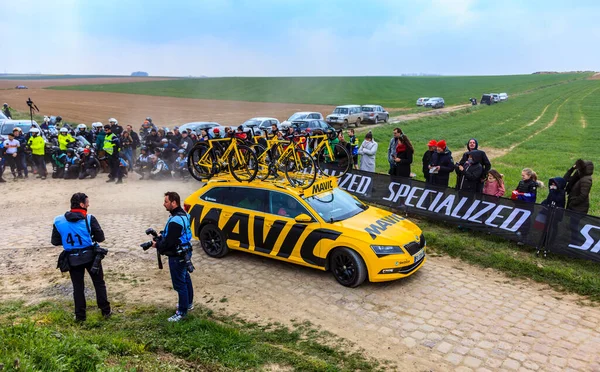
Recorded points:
(321, 186)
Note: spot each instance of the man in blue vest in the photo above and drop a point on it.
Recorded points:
(77, 231)
(175, 243)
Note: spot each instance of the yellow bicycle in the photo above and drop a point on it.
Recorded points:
(333, 157)
(209, 158)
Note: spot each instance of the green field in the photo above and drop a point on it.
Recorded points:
(391, 92)
(548, 146)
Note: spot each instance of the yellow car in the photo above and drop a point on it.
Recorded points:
(323, 227)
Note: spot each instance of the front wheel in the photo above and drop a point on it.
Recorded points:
(243, 164)
(376, 120)
(300, 169)
(345, 125)
(347, 267)
(338, 163)
(357, 123)
(198, 160)
(212, 241)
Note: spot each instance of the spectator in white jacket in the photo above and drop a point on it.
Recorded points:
(368, 150)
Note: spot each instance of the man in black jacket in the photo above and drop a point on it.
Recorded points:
(136, 143)
(153, 140)
(442, 165)
(175, 243)
(77, 231)
(186, 142)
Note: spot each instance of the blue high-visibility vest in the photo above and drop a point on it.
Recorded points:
(184, 222)
(75, 235)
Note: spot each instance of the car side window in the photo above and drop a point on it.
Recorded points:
(214, 195)
(313, 116)
(284, 205)
(252, 199)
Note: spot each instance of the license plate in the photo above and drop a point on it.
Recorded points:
(419, 255)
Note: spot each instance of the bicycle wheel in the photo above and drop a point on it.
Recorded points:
(243, 164)
(197, 162)
(339, 164)
(300, 169)
(263, 160)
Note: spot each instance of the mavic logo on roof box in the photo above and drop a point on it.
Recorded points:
(322, 186)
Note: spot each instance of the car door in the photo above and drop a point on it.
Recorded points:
(283, 237)
(242, 205)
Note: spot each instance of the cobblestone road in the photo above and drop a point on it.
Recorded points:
(448, 316)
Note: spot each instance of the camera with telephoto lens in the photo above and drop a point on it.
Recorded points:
(155, 238)
(99, 254)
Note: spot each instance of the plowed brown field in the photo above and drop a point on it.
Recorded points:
(88, 107)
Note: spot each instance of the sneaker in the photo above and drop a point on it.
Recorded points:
(38, 176)
(190, 307)
(106, 316)
(176, 318)
(43, 177)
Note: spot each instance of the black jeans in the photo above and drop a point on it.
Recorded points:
(182, 282)
(40, 163)
(114, 164)
(77, 274)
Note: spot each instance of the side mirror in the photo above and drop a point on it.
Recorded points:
(303, 218)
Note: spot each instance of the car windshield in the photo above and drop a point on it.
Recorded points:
(367, 109)
(2, 116)
(303, 124)
(336, 205)
(340, 110)
(297, 116)
(8, 128)
(252, 123)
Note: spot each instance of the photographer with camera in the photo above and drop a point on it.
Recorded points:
(174, 242)
(77, 231)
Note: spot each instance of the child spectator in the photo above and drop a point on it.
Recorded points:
(527, 189)
(494, 184)
(556, 193)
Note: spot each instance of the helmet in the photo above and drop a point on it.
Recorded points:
(149, 119)
(216, 130)
(18, 129)
(58, 118)
(46, 119)
(70, 151)
(87, 151)
(182, 151)
(113, 120)
(97, 125)
(64, 130)
(81, 126)
(5, 105)
(143, 148)
(34, 130)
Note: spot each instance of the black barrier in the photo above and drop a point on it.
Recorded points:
(559, 230)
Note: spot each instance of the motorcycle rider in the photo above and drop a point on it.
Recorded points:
(64, 139)
(88, 165)
(160, 169)
(71, 165)
(82, 131)
(111, 147)
(38, 147)
(142, 165)
(116, 129)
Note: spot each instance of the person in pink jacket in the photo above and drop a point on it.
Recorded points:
(494, 184)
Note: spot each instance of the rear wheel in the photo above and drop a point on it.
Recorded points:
(345, 125)
(387, 117)
(263, 161)
(340, 164)
(212, 241)
(243, 164)
(376, 120)
(300, 169)
(198, 156)
(357, 122)
(347, 267)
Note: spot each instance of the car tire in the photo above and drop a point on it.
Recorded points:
(376, 120)
(212, 241)
(347, 267)
(345, 125)
(357, 123)
(387, 117)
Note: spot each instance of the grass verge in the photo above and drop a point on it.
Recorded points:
(45, 337)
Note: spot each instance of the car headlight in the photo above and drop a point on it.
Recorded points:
(387, 249)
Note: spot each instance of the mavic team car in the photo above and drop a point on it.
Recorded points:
(322, 227)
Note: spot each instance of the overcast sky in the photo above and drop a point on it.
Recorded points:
(298, 38)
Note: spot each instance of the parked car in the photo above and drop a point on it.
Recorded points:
(421, 101)
(435, 102)
(374, 114)
(301, 116)
(21, 87)
(503, 96)
(196, 126)
(264, 124)
(7, 126)
(311, 125)
(495, 97)
(344, 115)
(486, 99)
(2, 116)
